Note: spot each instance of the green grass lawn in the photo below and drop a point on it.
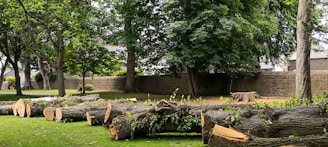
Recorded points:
(103, 94)
(17, 131)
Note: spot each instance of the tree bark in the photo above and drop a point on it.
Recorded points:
(17, 79)
(44, 73)
(60, 51)
(129, 87)
(83, 83)
(76, 113)
(6, 109)
(192, 74)
(272, 122)
(2, 75)
(303, 78)
(308, 141)
(27, 73)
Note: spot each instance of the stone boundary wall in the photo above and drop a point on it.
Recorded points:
(265, 83)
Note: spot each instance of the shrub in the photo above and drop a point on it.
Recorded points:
(123, 72)
(88, 87)
(11, 82)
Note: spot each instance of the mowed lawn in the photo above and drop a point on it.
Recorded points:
(32, 132)
(15, 131)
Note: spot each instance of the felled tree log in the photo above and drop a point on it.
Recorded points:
(164, 117)
(91, 97)
(271, 122)
(34, 109)
(6, 109)
(229, 137)
(76, 113)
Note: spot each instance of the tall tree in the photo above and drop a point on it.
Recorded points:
(222, 36)
(304, 30)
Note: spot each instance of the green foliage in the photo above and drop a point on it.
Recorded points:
(52, 77)
(235, 117)
(123, 72)
(11, 82)
(88, 87)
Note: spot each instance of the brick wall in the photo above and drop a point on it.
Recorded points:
(315, 64)
(265, 83)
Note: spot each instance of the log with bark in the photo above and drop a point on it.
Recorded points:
(6, 109)
(229, 137)
(164, 117)
(270, 122)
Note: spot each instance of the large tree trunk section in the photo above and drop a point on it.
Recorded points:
(34, 109)
(49, 113)
(272, 122)
(6, 109)
(60, 51)
(232, 138)
(164, 117)
(303, 77)
(44, 72)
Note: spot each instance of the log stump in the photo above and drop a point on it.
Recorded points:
(49, 113)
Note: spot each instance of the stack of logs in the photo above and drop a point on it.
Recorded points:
(127, 119)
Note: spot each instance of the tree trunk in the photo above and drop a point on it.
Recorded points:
(129, 41)
(76, 113)
(192, 74)
(27, 74)
(83, 83)
(60, 51)
(17, 79)
(227, 140)
(44, 73)
(303, 78)
(130, 72)
(96, 117)
(2, 75)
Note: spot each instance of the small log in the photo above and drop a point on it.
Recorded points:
(20, 107)
(75, 113)
(95, 117)
(49, 113)
(245, 96)
(91, 97)
(6, 109)
(229, 137)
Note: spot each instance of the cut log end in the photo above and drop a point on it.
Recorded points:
(28, 110)
(113, 132)
(48, 113)
(107, 114)
(20, 107)
(89, 118)
(59, 115)
(14, 107)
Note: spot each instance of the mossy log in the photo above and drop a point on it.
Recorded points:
(270, 122)
(164, 117)
(231, 138)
